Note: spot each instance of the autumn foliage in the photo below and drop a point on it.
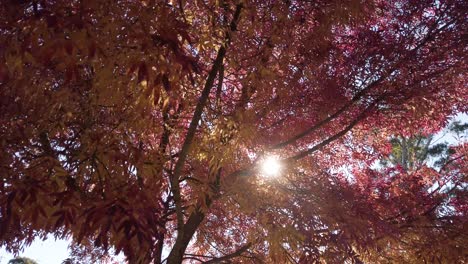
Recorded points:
(141, 126)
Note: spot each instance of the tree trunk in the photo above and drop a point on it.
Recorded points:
(159, 249)
(177, 253)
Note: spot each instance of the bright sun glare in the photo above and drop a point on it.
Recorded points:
(271, 166)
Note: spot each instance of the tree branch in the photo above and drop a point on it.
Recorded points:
(220, 87)
(363, 92)
(197, 115)
(309, 151)
(247, 171)
(237, 253)
(180, 244)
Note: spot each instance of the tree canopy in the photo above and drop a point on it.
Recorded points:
(141, 126)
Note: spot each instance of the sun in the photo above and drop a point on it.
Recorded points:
(271, 166)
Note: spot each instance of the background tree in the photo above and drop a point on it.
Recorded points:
(413, 152)
(141, 125)
(22, 260)
(429, 171)
(85, 252)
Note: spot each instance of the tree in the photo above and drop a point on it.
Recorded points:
(411, 153)
(141, 125)
(22, 260)
(84, 253)
(428, 171)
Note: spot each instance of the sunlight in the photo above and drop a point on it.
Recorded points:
(271, 166)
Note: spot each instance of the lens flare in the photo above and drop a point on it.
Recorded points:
(271, 166)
